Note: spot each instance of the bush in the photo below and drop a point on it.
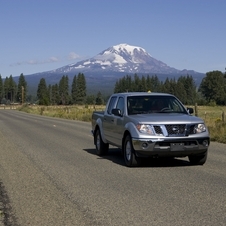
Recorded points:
(25, 108)
(212, 103)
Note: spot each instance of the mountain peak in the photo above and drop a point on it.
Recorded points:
(121, 58)
(120, 54)
(127, 48)
(112, 63)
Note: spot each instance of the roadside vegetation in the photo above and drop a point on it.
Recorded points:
(214, 116)
(73, 112)
(69, 100)
(215, 119)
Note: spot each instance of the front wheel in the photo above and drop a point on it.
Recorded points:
(101, 147)
(198, 159)
(129, 153)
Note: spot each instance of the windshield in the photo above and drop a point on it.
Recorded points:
(154, 104)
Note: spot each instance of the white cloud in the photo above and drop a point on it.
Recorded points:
(35, 62)
(73, 56)
(53, 59)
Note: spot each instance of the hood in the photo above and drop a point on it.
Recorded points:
(166, 118)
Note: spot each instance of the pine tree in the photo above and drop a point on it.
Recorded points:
(143, 84)
(55, 98)
(166, 86)
(64, 90)
(99, 99)
(126, 84)
(118, 88)
(81, 88)
(74, 90)
(137, 84)
(49, 90)
(90, 99)
(190, 89)
(10, 89)
(21, 89)
(42, 93)
(180, 92)
(1, 89)
(149, 84)
(155, 84)
(6, 88)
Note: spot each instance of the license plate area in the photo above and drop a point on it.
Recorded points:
(177, 146)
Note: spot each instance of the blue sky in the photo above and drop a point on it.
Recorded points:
(43, 35)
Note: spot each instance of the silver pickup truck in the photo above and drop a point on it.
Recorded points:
(150, 125)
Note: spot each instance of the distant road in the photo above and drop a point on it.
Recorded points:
(52, 176)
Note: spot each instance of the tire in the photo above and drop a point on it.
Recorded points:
(129, 153)
(101, 147)
(198, 159)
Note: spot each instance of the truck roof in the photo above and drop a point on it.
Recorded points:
(142, 94)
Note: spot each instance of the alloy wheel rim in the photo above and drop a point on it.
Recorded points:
(128, 151)
(98, 142)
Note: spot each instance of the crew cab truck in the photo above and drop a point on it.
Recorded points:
(150, 125)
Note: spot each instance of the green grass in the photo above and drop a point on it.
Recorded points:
(214, 117)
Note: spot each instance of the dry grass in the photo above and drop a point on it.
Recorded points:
(75, 112)
(214, 117)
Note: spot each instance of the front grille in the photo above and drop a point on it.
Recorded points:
(175, 129)
(191, 129)
(158, 130)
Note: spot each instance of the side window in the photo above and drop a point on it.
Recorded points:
(120, 104)
(111, 104)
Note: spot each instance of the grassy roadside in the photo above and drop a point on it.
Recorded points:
(215, 119)
(214, 116)
(74, 112)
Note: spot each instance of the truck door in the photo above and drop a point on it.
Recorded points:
(118, 126)
(108, 120)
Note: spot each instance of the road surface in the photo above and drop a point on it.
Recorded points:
(50, 175)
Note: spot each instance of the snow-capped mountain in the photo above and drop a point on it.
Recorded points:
(121, 58)
(103, 70)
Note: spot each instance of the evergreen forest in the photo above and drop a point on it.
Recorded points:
(211, 91)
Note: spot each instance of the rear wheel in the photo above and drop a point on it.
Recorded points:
(101, 147)
(129, 154)
(198, 159)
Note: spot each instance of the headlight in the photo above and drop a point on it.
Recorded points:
(200, 128)
(148, 129)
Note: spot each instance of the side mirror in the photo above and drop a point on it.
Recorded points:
(116, 112)
(190, 110)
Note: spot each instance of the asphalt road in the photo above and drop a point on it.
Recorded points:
(50, 175)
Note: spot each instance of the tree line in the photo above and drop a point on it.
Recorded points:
(11, 92)
(57, 94)
(184, 87)
(212, 89)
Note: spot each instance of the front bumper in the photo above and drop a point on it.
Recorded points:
(161, 147)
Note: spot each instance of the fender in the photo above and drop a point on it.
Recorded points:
(131, 128)
(99, 123)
